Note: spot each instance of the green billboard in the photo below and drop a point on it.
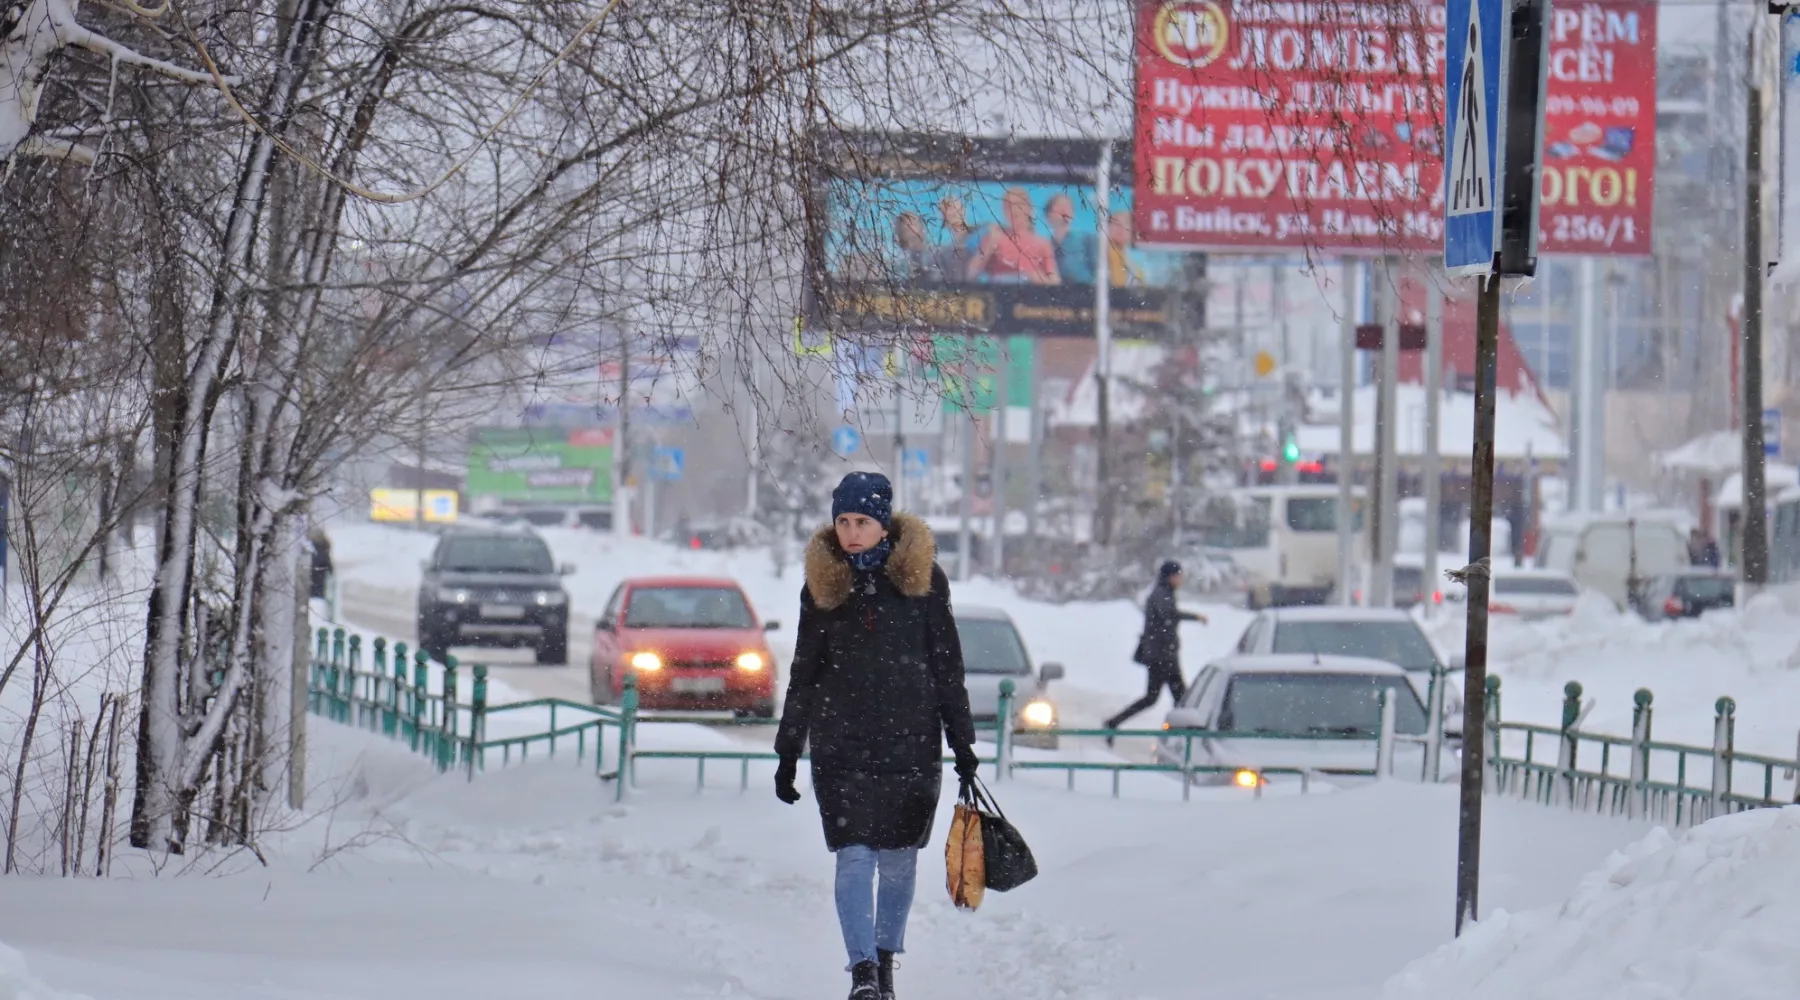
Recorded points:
(541, 464)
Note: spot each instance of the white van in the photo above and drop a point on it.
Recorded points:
(1615, 553)
(1284, 540)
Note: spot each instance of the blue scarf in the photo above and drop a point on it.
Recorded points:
(872, 559)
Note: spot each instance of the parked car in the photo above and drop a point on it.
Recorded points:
(493, 586)
(992, 653)
(693, 643)
(1292, 696)
(1688, 595)
(1384, 634)
(1526, 594)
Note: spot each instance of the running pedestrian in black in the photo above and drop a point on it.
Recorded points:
(1159, 648)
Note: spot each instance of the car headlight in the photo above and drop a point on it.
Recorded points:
(1039, 713)
(1247, 779)
(453, 595)
(551, 598)
(647, 662)
(750, 661)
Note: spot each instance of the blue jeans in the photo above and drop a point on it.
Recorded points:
(869, 925)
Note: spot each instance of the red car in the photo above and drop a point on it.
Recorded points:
(693, 643)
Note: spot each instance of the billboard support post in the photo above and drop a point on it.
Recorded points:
(1755, 560)
(1103, 485)
(1347, 436)
(1431, 466)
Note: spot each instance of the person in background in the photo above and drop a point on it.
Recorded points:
(1074, 251)
(1159, 648)
(951, 259)
(1703, 549)
(1015, 253)
(321, 563)
(917, 263)
(1121, 236)
(876, 690)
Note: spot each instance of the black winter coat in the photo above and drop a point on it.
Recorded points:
(876, 688)
(1160, 645)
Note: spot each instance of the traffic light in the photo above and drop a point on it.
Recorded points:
(1290, 450)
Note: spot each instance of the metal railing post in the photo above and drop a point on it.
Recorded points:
(447, 740)
(1432, 768)
(340, 708)
(1637, 801)
(1003, 732)
(1491, 724)
(1565, 752)
(1384, 741)
(320, 673)
(379, 680)
(478, 720)
(1724, 735)
(628, 704)
(353, 675)
(421, 701)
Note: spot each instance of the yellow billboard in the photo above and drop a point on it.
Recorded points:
(402, 505)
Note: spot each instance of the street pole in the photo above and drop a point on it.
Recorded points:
(1586, 496)
(753, 486)
(1756, 530)
(1103, 486)
(1034, 461)
(1390, 432)
(1285, 471)
(1475, 649)
(1430, 454)
(965, 557)
(997, 465)
(1381, 571)
(1346, 524)
(621, 502)
(901, 487)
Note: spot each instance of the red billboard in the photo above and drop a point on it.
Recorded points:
(1599, 128)
(1317, 125)
(1274, 124)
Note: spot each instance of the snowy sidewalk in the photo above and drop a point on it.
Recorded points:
(529, 883)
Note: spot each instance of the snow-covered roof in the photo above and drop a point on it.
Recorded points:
(1523, 426)
(1709, 454)
(1131, 362)
(1776, 478)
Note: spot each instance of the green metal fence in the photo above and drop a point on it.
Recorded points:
(1635, 776)
(391, 692)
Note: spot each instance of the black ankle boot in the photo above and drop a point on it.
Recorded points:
(864, 982)
(884, 975)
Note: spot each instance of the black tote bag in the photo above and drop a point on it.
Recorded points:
(1008, 860)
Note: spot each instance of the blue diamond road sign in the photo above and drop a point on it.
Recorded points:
(667, 464)
(914, 463)
(846, 441)
(1473, 107)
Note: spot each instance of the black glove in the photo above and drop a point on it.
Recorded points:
(784, 780)
(967, 767)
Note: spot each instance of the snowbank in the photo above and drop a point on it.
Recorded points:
(16, 982)
(1752, 654)
(1708, 916)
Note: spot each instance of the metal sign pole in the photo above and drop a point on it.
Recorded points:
(1475, 648)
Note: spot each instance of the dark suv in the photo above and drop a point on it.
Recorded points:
(494, 587)
(1687, 595)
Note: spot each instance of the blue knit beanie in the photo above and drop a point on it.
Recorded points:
(866, 493)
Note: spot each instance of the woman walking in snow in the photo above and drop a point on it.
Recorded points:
(877, 688)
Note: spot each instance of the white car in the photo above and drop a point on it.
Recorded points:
(1384, 634)
(1276, 701)
(1525, 594)
(992, 653)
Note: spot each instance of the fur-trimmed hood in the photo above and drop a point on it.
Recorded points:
(829, 576)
